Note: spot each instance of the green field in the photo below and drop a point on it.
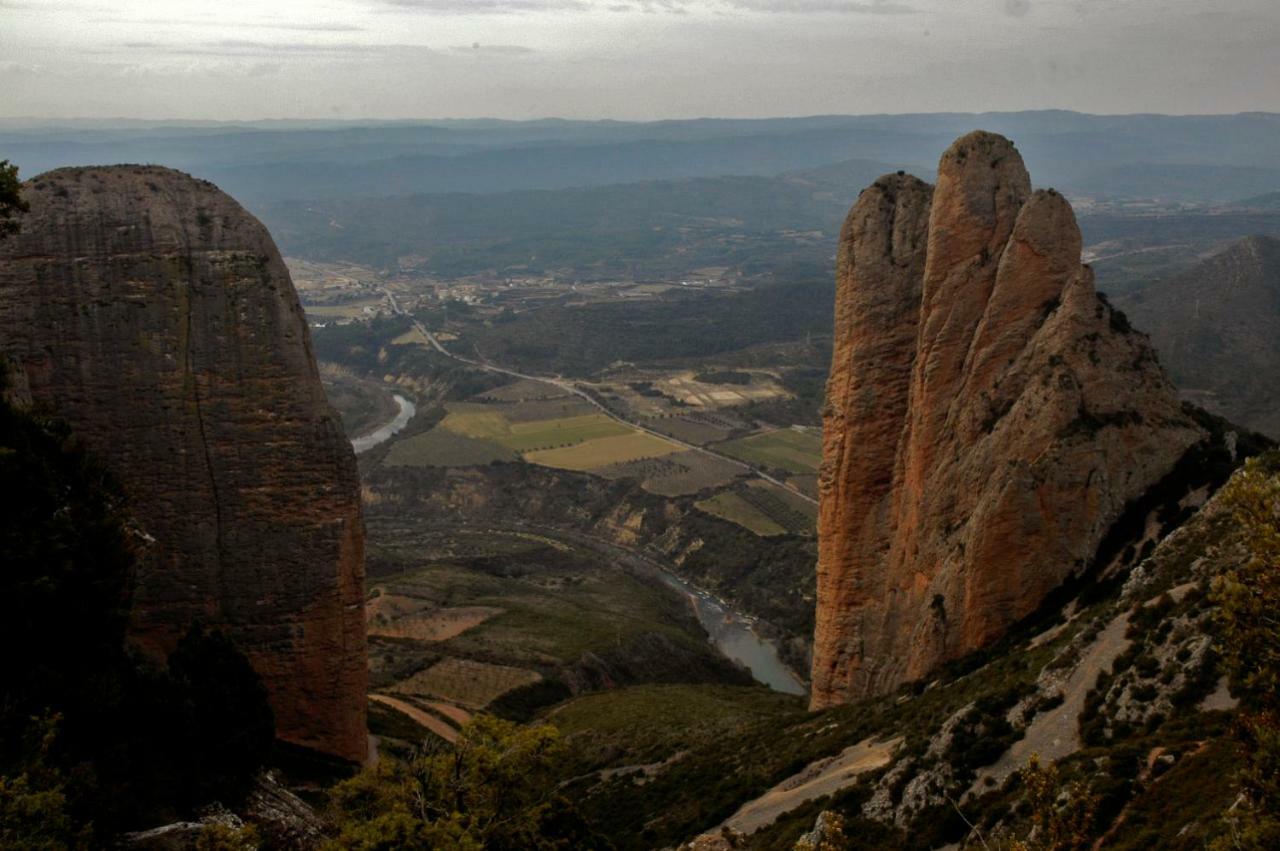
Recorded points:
(785, 508)
(601, 452)
(486, 422)
(731, 506)
(444, 448)
(786, 449)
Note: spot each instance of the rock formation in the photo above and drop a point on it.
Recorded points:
(988, 418)
(1217, 329)
(154, 315)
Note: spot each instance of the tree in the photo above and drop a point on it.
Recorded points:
(33, 799)
(11, 202)
(1248, 599)
(493, 790)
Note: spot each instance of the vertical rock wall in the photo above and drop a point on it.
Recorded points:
(988, 418)
(155, 315)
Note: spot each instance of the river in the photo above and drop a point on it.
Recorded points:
(386, 432)
(730, 632)
(733, 635)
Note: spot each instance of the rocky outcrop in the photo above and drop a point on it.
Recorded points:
(988, 418)
(154, 315)
(1217, 328)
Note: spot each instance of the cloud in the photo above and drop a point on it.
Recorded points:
(676, 7)
(501, 49)
(488, 7)
(875, 7)
(20, 68)
(221, 24)
(234, 47)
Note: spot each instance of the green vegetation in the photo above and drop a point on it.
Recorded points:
(1249, 598)
(11, 202)
(731, 506)
(788, 449)
(650, 723)
(604, 451)
(493, 791)
(444, 448)
(487, 422)
(579, 341)
(557, 616)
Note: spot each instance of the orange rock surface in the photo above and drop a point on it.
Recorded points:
(988, 418)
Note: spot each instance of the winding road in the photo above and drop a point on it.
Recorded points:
(571, 387)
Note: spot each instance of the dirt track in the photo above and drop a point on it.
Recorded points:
(421, 717)
(819, 778)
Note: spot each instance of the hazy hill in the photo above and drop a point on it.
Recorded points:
(658, 227)
(1210, 157)
(1217, 328)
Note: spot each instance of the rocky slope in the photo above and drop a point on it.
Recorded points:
(1217, 328)
(988, 419)
(155, 315)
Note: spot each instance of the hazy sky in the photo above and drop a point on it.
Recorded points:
(241, 59)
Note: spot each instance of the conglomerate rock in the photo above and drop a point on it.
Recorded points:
(988, 417)
(155, 315)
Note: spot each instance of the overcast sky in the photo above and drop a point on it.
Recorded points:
(633, 59)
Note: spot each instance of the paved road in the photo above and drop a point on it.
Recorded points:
(571, 387)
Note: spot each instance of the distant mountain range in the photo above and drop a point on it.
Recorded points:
(1190, 158)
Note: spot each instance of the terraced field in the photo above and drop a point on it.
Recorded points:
(463, 620)
(732, 506)
(782, 506)
(763, 508)
(793, 450)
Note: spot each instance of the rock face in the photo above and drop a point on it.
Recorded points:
(155, 315)
(1217, 328)
(988, 417)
